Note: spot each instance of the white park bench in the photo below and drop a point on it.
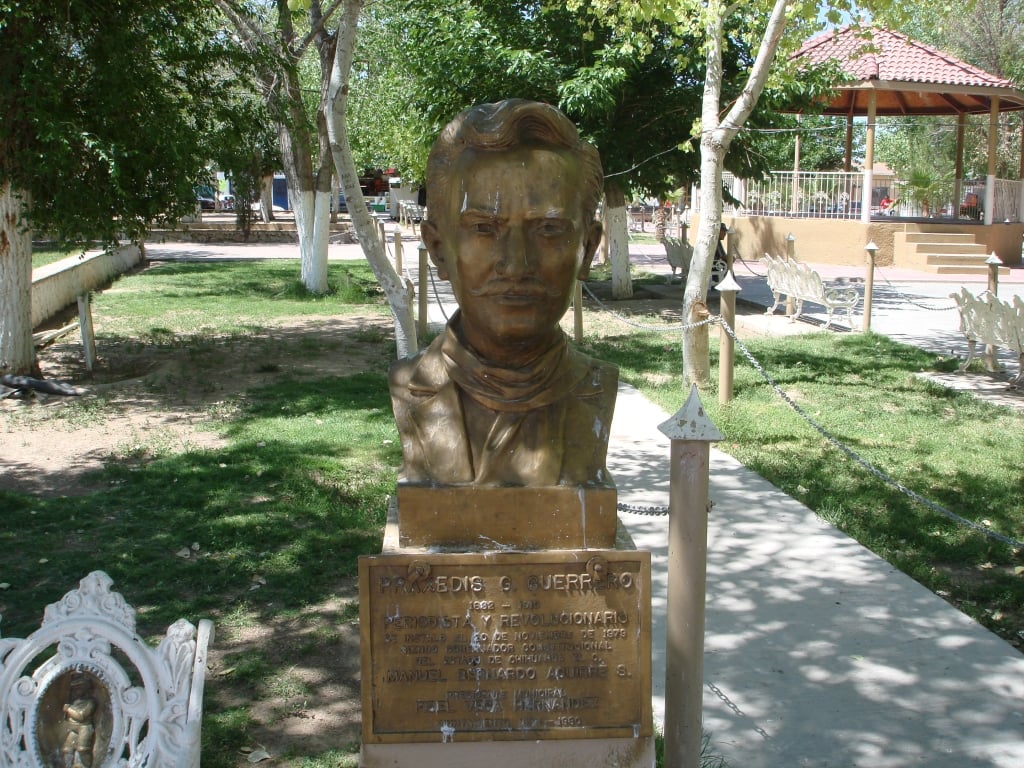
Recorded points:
(85, 691)
(801, 283)
(988, 320)
(679, 254)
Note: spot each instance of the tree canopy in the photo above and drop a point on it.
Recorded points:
(634, 91)
(108, 109)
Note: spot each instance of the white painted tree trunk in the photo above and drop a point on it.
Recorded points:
(715, 140)
(312, 222)
(617, 232)
(17, 355)
(618, 252)
(399, 293)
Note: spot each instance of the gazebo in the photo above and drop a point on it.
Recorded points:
(887, 74)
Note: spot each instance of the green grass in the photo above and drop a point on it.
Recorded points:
(47, 255)
(181, 301)
(949, 447)
(299, 492)
(256, 532)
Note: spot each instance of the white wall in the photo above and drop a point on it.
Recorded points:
(58, 285)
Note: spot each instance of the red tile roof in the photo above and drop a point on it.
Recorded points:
(885, 55)
(918, 78)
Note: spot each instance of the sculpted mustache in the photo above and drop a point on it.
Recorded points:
(527, 287)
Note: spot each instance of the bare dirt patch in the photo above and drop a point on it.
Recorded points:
(143, 400)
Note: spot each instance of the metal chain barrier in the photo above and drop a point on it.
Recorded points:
(635, 509)
(437, 294)
(681, 326)
(389, 252)
(408, 276)
(909, 300)
(747, 266)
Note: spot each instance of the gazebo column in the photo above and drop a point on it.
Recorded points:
(1020, 175)
(993, 143)
(794, 203)
(869, 161)
(848, 155)
(958, 171)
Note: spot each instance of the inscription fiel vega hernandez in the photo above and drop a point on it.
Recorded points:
(468, 647)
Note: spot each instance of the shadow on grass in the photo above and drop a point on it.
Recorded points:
(274, 520)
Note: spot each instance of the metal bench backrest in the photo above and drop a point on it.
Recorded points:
(85, 690)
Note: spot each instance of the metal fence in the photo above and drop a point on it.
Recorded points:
(839, 195)
(833, 195)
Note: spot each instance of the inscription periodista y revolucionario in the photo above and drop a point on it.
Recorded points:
(520, 649)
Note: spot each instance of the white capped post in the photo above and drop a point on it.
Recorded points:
(691, 433)
(869, 283)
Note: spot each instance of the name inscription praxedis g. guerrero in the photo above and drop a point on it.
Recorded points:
(506, 646)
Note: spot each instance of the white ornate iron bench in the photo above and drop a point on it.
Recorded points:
(801, 283)
(989, 320)
(679, 253)
(85, 691)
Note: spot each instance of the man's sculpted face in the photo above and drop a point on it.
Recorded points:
(512, 239)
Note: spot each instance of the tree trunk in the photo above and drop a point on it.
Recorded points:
(617, 232)
(398, 293)
(715, 140)
(696, 341)
(298, 170)
(660, 222)
(17, 355)
(312, 222)
(308, 189)
(696, 351)
(267, 198)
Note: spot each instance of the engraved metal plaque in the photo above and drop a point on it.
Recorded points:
(504, 646)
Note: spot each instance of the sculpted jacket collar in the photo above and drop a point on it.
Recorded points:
(521, 416)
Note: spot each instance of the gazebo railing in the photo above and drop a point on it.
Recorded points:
(824, 195)
(838, 195)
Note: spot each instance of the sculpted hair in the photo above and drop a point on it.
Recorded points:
(506, 125)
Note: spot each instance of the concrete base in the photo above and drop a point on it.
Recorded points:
(564, 753)
(464, 517)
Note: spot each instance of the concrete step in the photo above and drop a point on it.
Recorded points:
(948, 253)
(953, 259)
(915, 259)
(935, 237)
(950, 248)
(962, 269)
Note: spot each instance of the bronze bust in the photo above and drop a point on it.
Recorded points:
(501, 398)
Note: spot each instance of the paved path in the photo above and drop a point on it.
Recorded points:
(819, 654)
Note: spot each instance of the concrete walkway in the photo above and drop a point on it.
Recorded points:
(819, 654)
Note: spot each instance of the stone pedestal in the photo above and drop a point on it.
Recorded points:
(499, 518)
(536, 657)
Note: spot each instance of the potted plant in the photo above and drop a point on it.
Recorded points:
(924, 187)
